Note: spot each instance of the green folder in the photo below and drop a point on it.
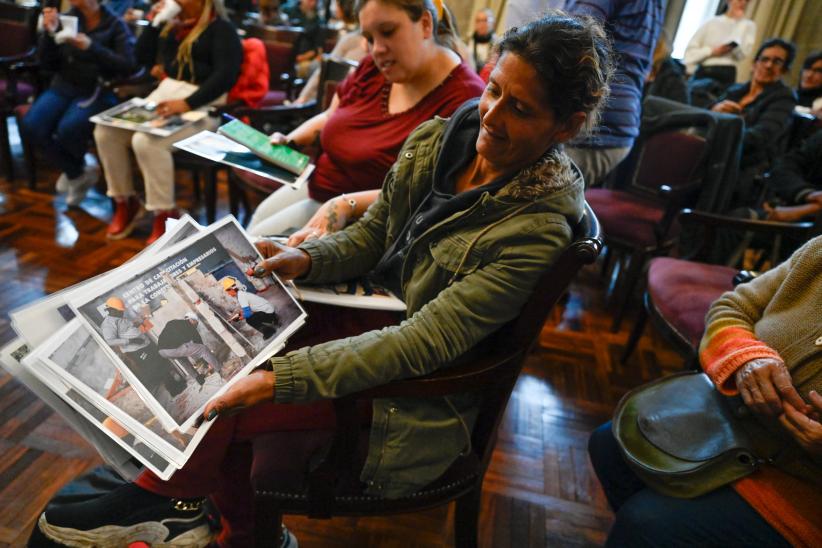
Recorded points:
(280, 155)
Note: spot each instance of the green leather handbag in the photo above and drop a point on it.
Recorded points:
(680, 436)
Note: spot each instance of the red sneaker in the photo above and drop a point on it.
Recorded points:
(126, 214)
(158, 228)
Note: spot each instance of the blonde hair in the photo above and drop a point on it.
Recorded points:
(184, 59)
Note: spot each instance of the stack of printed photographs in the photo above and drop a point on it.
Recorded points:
(131, 357)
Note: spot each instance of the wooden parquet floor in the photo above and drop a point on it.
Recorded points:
(539, 490)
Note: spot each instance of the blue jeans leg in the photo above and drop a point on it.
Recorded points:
(58, 124)
(647, 518)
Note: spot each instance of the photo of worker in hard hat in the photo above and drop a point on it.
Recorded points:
(181, 340)
(128, 334)
(255, 310)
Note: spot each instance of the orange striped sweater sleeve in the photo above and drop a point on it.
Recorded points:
(727, 346)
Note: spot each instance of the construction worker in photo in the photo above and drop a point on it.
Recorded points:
(139, 351)
(180, 339)
(256, 311)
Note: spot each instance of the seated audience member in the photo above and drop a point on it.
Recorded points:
(412, 74)
(481, 43)
(200, 56)
(634, 26)
(667, 77)
(351, 46)
(765, 102)
(761, 342)
(810, 84)
(721, 44)
(303, 13)
(270, 13)
(796, 180)
(58, 121)
(504, 153)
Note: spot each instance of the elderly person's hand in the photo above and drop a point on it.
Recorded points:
(728, 107)
(287, 262)
(765, 384)
(805, 429)
(256, 388)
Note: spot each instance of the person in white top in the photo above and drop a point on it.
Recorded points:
(722, 43)
(255, 310)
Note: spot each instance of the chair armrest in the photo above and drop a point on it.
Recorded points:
(673, 199)
(8, 60)
(713, 220)
(269, 118)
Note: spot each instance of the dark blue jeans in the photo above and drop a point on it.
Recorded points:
(647, 518)
(58, 125)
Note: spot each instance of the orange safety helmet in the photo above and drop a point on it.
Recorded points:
(116, 303)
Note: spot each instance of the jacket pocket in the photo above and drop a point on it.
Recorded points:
(454, 254)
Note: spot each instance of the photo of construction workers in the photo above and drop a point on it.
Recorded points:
(255, 310)
(181, 339)
(128, 334)
(184, 325)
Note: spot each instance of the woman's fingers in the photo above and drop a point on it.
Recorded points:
(787, 392)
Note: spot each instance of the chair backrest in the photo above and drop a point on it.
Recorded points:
(328, 38)
(671, 157)
(493, 366)
(333, 70)
(281, 49)
(18, 27)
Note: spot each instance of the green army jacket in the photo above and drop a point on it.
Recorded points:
(462, 279)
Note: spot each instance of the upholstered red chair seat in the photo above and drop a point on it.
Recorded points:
(24, 90)
(682, 291)
(624, 216)
(273, 98)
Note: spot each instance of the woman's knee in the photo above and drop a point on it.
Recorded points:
(602, 448)
(33, 129)
(644, 520)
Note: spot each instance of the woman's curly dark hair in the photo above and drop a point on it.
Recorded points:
(572, 56)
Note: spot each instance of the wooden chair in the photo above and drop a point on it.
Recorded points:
(638, 216)
(280, 44)
(17, 48)
(680, 291)
(490, 369)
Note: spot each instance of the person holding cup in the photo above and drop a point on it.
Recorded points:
(199, 56)
(83, 47)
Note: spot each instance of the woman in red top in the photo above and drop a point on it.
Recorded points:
(412, 74)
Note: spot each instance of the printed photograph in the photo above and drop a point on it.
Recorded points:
(184, 327)
(83, 360)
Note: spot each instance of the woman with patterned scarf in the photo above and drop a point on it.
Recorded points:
(200, 57)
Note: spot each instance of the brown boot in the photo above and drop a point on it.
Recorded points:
(127, 211)
(158, 228)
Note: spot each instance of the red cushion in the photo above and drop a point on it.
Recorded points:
(624, 216)
(682, 292)
(273, 98)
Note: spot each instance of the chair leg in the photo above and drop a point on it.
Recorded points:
(607, 255)
(210, 192)
(636, 333)
(466, 518)
(5, 149)
(268, 521)
(629, 279)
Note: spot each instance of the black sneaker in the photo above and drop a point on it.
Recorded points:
(128, 514)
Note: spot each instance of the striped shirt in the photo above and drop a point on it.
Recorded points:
(633, 26)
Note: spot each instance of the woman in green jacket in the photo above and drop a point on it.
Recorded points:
(470, 216)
